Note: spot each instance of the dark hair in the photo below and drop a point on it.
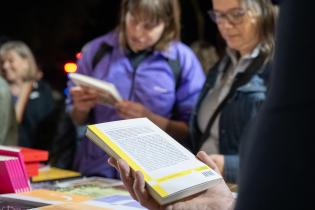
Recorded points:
(167, 11)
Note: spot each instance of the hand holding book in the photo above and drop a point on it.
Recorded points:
(83, 98)
(218, 195)
(170, 171)
(105, 92)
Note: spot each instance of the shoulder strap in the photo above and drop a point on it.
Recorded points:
(101, 51)
(240, 79)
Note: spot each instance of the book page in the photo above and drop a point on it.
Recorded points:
(154, 152)
(150, 147)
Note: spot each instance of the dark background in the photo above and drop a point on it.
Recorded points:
(56, 30)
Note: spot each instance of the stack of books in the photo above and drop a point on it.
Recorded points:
(13, 174)
(32, 159)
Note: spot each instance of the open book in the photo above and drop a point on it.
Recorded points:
(107, 91)
(170, 171)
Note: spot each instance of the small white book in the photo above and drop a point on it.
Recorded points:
(108, 92)
(171, 172)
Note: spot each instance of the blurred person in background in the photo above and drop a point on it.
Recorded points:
(8, 126)
(31, 95)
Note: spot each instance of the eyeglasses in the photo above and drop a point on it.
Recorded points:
(234, 16)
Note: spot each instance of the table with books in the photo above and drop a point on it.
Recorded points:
(26, 183)
(77, 193)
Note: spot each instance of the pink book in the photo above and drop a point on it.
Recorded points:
(16, 173)
(16, 152)
(8, 183)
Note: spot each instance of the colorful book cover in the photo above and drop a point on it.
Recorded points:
(7, 184)
(34, 155)
(11, 175)
(49, 195)
(32, 168)
(18, 204)
(16, 152)
(52, 173)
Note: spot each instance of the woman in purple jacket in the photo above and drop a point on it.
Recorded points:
(140, 58)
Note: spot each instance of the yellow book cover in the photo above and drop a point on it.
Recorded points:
(52, 173)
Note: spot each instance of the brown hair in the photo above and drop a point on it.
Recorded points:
(167, 11)
(266, 15)
(24, 52)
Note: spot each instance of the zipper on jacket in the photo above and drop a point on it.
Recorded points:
(132, 83)
(135, 60)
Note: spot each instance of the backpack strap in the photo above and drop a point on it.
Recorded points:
(101, 51)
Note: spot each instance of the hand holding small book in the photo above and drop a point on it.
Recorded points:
(218, 196)
(84, 98)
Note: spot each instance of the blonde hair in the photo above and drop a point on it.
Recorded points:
(167, 11)
(24, 52)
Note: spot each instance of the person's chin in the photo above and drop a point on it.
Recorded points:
(232, 44)
(137, 48)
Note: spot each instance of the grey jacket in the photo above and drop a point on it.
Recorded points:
(8, 125)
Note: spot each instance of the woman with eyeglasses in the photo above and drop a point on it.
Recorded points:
(236, 86)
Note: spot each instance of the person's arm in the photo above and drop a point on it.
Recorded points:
(218, 196)
(129, 109)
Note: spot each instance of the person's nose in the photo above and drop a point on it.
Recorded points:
(139, 30)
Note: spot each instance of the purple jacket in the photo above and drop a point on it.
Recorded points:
(153, 86)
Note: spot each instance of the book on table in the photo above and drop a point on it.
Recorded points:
(33, 158)
(171, 172)
(14, 177)
(107, 91)
(50, 173)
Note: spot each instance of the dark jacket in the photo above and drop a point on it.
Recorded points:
(235, 115)
(33, 130)
(277, 168)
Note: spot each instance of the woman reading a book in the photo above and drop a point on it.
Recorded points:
(157, 76)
